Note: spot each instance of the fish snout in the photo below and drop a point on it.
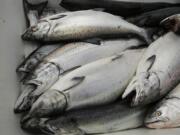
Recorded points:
(27, 35)
(23, 102)
(50, 103)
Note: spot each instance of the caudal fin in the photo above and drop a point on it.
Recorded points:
(36, 8)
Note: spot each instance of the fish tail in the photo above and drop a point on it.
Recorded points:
(38, 8)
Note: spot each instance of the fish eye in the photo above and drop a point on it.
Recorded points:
(158, 113)
(34, 28)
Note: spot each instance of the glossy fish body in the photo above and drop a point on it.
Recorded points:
(158, 71)
(153, 18)
(172, 23)
(29, 64)
(97, 83)
(166, 114)
(45, 74)
(76, 55)
(80, 25)
(119, 7)
(103, 119)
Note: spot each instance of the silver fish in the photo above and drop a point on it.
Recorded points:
(103, 119)
(97, 83)
(172, 23)
(60, 62)
(44, 74)
(166, 114)
(120, 7)
(158, 71)
(29, 64)
(79, 25)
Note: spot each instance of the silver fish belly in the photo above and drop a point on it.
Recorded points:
(96, 83)
(79, 25)
(166, 114)
(158, 71)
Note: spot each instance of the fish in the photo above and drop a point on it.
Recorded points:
(66, 59)
(82, 25)
(119, 7)
(114, 117)
(44, 74)
(166, 114)
(94, 84)
(29, 64)
(157, 73)
(172, 23)
(153, 18)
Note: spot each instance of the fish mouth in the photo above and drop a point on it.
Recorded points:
(154, 124)
(27, 34)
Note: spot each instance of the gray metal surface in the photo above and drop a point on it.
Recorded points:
(12, 24)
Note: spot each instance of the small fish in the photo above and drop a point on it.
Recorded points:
(172, 23)
(66, 59)
(97, 83)
(166, 114)
(158, 71)
(110, 118)
(82, 25)
(29, 64)
(153, 18)
(120, 7)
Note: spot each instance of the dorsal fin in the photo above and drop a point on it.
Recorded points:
(150, 61)
(57, 17)
(75, 81)
(117, 57)
(96, 41)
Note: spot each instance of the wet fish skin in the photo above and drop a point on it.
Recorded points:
(67, 26)
(158, 71)
(102, 119)
(120, 7)
(153, 18)
(79, 88)
(35, 57)
(166, 114)
(67, 60)
(45, 75)
(172, 23)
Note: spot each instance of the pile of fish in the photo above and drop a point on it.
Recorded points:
(102, 66)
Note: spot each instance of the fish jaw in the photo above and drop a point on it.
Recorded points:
(144, 89)
(22, 103)
(50, 103)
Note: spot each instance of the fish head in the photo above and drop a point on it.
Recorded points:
(38, 31)
(30, 64)
(50, 103)
(35, 84)
(34, 125)
(143, 89)
(164, 115)
(23, 102)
